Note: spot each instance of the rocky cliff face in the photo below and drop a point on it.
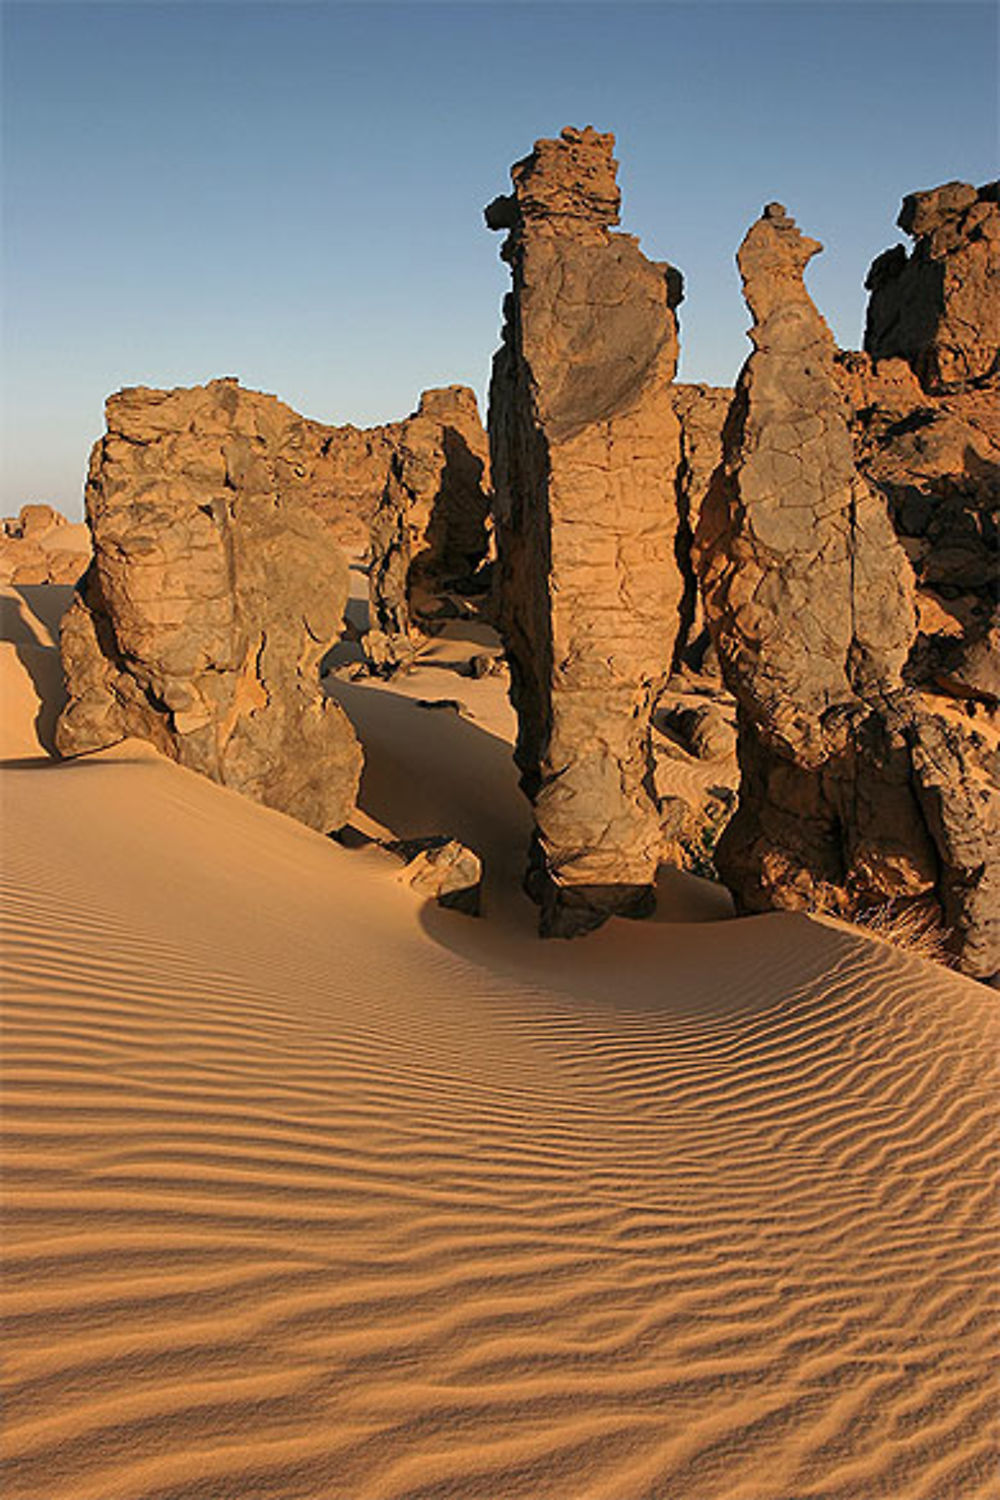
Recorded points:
(213, 594)
(939, 307)
(429, 530)
(855, 788)
(584, 443)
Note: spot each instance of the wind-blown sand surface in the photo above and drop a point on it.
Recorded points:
(316, 1193)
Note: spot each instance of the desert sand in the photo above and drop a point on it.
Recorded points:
(315, 1191)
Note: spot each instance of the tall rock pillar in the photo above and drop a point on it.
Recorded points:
(856, 790)
(584, 447)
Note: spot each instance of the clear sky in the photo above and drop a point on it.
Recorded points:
(293, 193)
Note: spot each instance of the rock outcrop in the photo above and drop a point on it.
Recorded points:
(429, 531)
(213, 594)
(584, 447)
(443, 870)
(939, 307)
(701, 411)
(41, 546)
(856, 789)
(936, 459)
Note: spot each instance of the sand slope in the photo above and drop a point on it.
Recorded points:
(312, 1193)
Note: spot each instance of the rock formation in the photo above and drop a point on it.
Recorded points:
(349, 468)
(213, 594)
(442, 869)
(701, 411)
(584, 446)
(939, 307)
(855, 789)
(41, 546)
(429, 529)
(936, 460)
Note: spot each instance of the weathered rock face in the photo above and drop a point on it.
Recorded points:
(213, 594)
(939, 307)
(41, 546)
(429, 529)
(584, 446)
(855, 789)
(347, 475)
(936, 460)
(701, 411)
(804, 583)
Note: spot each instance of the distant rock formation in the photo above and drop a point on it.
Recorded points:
(854, 789)
(585, 446)
(41, 546)
(213, 594)
(429, 530)
(701, 411)
(939, 307)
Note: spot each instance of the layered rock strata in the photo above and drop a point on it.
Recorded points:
(584, 447)
(213, 594)
(429, 531)
(939, 307)
(855, 790)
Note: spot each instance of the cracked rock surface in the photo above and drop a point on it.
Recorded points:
(213, 594)
(855, 788)
(584, 444)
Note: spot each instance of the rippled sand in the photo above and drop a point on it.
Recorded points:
(315, 1193)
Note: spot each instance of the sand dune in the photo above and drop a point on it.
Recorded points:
(315, 1193)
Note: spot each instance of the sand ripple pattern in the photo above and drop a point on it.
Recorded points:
(302, 1206)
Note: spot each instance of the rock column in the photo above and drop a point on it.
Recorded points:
(809, 599)
(856, 789)
(584, 447)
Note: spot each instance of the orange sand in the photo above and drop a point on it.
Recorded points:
(316, 1193)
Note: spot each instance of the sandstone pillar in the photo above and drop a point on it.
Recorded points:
(584, 450)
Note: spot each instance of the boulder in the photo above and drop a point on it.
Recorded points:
(585, 446)
(40, 546)
(214, 592)
(443, 870)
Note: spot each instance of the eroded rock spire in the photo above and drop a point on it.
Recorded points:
(584, 448)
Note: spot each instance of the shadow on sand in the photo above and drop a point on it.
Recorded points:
(440, 773)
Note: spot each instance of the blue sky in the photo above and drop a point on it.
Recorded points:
(293, 193)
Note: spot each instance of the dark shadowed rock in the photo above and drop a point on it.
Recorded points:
(701, 411)
(585, 447)
(936, 460)
(213, 594)
(429, 530)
